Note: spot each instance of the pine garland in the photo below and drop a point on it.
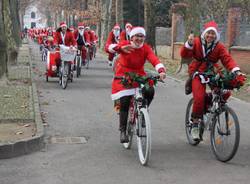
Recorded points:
(223, 80)
(131, 78)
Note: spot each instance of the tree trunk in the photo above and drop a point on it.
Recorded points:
(149, 14)
(104, 21)
(11, 34)
(3, 54)
(119, 12)
(112, 14)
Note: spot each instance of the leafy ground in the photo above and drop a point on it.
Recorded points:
(16, 101)
(13, 131)
(173, 65)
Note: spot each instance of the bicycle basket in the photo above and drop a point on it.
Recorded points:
(67, 54)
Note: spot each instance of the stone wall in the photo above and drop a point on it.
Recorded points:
(163, 36)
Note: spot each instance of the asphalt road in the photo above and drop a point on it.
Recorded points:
(85, 110)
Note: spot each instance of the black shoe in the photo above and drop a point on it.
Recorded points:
(123, 137)
(143, 123)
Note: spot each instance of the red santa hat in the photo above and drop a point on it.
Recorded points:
(116, 26)
(137, 30)
(80, 25)
(63, 24)
(128, 25)
(212, 25)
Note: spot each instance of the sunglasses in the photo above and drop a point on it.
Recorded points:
(140, 35)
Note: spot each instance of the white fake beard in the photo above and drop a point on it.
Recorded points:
(135, 46)
(128, 31)
(81, 32)
(116, 33)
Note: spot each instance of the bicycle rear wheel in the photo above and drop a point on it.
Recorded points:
(143, 136)
(225, 134)
(188, 124)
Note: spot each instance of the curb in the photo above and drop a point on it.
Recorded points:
(26, 146)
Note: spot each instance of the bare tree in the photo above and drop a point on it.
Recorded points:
(149, 14)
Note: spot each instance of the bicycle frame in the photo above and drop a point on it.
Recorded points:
(215, 109)
(136, 103)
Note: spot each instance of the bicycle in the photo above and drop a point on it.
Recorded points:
(65, 71)
(219, 119)
(138, 117)
(78, 62)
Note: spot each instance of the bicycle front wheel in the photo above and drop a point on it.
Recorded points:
(65, 74)
(78, 66)
(143, 136)
(225, 134)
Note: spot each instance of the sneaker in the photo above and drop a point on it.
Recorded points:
(143, 123)
(123, 137)
(110, 63)
(195, 133)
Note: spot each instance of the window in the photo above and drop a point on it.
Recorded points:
(33, 24)
(33, 15)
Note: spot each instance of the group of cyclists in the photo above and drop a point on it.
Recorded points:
(132, 53)
(80, 38)
(205, 51)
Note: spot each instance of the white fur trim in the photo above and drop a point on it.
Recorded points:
(48, 59)
(126, 92)
(213, 29)
(158, 66)
(235, 69)
(137, 30)
(128, 25)
(111, 48)
(188, 46)
(63, 25)
(116, 27)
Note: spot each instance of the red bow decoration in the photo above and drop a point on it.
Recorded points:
(151, 82)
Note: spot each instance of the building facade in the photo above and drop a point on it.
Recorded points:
(34, 18)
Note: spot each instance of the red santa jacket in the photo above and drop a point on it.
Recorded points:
(91, 36)
(94, 36)
(133, 62)
(196, 52)
(85, 38)
(69, 39)
(111, 43)
(124, 36)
